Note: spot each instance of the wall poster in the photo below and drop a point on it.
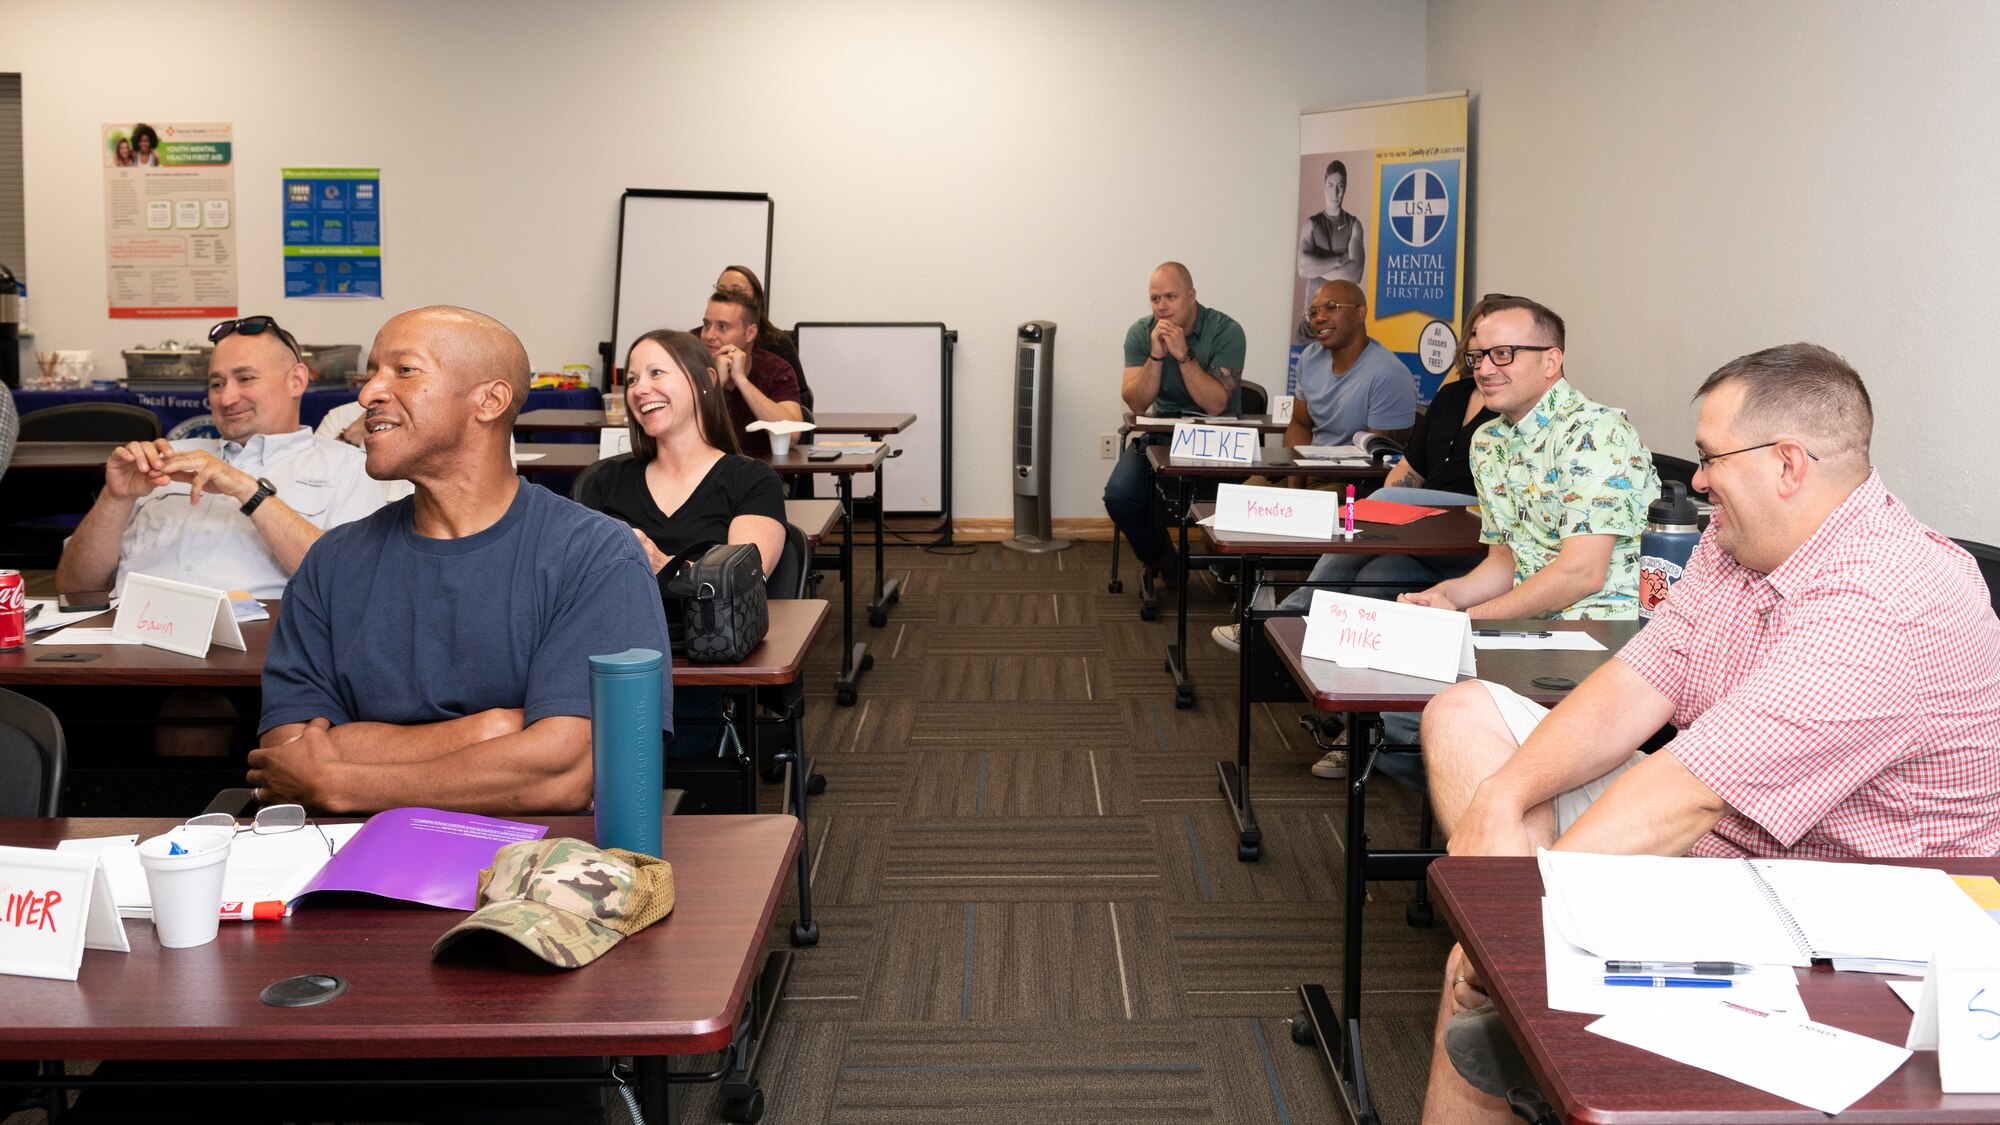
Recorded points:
(333, 232)
(169, 220)
(1382, 204)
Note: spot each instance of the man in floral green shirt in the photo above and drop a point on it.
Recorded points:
(1563, 483)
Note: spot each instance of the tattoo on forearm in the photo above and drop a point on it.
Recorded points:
(1228, 377)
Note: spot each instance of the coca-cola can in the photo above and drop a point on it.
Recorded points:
(13, 611)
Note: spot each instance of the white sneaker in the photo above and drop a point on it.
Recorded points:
(1228, 637)
(1332, 766)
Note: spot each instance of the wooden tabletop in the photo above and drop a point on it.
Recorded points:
(1493, 905)
(1272, 461)
(60, 456)
(794, 462)
(814, 517)
(1142, 424)
(674, 988)
(1334, 688)
(794, 625)
(578, 421)
(1453, 531)
(556, 457)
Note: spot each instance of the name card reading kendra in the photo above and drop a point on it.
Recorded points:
(1234, 444)
(1411, 640)
(176, 616)
(1303, 513)
(53, 905)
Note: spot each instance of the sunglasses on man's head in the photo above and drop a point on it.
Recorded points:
(252, 326)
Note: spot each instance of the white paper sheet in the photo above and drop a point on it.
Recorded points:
(1333, 452)
(79, 635)
(1557, 639)
(1907, 991)
(262, 867)
(1813, 1064)
(1576, 984)
(52, 618)
(520, 457)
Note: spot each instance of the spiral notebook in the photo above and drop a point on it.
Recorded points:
(1761, 911)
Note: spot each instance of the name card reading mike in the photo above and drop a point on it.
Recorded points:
(176, 616)
(1234, 444)
(53, 906)
(1958, 1015)
(1411, 640)
(1304, 513)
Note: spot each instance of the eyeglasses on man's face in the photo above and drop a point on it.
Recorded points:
(1327, 308)
(1708, 459)
(1501, 354)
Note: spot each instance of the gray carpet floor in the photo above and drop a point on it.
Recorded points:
(1026, 881)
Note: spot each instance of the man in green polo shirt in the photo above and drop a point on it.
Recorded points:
(1183, 359)
(1564, 484)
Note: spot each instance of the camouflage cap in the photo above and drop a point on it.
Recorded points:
(568, 901)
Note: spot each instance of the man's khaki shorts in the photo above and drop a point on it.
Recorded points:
(1522, 716)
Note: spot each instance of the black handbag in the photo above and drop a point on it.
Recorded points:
(721, 591)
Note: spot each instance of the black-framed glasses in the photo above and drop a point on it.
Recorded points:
(1708, 459)
(252, 326)
(1329, 306)
(1501, 354)
(271, 820)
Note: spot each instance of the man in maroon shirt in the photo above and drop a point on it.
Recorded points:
(1832, 667)
(761, 386)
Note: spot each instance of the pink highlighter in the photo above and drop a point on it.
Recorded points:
(1350, 509)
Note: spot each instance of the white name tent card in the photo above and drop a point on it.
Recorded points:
(1411, 640)
(176, 616)
(1281, 409)
(613, 440)
(53, 906)
(1234, 444)
(1958, 1016)
(1303, 513)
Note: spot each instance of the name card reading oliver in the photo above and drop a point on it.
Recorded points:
(1303, 513)
(1410, 640)
(1234, 444)
(53, 905)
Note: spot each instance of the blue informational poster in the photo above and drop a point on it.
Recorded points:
(333, 232)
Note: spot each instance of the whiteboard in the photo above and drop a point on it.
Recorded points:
(889, 368)
(671, 247)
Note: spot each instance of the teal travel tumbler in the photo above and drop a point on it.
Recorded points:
(625, 749)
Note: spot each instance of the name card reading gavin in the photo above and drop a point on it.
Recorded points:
(1411, 640)
(1234, 444)
(176, 616)
(1303, 513)
(53, 905)
(1958, 1015)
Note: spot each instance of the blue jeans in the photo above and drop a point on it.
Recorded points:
(1385, 576)
(1131, 502)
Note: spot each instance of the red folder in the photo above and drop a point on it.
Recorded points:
(1388, 511)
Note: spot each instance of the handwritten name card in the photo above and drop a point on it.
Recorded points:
(1303, 513)
(1281, 408)
(1958, 1015)
(1411, 640)
(177, 616)
(54, 905)
(1234, 444)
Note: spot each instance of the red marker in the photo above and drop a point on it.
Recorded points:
(267, 911)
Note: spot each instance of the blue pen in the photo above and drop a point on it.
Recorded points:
(1670, 982)
(175, 849)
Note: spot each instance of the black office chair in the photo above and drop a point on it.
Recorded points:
(90, 421)
(1988, 559)
(1673, 468)
(1256, 400)
(32, 757)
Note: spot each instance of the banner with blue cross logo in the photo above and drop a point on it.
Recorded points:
(1417, 263)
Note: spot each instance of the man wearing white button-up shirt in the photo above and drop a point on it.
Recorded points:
(236, 513)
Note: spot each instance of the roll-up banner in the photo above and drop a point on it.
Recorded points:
(1382, 204)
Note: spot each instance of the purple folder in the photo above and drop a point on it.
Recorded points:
(421, 855)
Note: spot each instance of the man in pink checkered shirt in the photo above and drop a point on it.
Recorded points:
(1832, 665)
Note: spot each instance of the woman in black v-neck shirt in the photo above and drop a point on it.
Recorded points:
(684, 483)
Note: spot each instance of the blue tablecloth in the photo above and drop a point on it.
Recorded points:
(175, 407)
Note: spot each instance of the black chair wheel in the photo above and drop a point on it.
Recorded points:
(895, 595)
(744, 1111)
(1418, 914)
(1184, 698)
(772, 774)
(867, 661)
(1115, 586)
(844, 696)
(1148, 613)
(805, 933)
(1302, 1030)
(1248, 853)
(877, 618)
(815, 785)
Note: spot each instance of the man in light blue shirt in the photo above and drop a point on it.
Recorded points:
(235, 513)
(1347, 382)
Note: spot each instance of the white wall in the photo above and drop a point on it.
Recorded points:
(1688, 181)
(976, 163)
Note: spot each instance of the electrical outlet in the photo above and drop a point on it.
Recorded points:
(1107, 447)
